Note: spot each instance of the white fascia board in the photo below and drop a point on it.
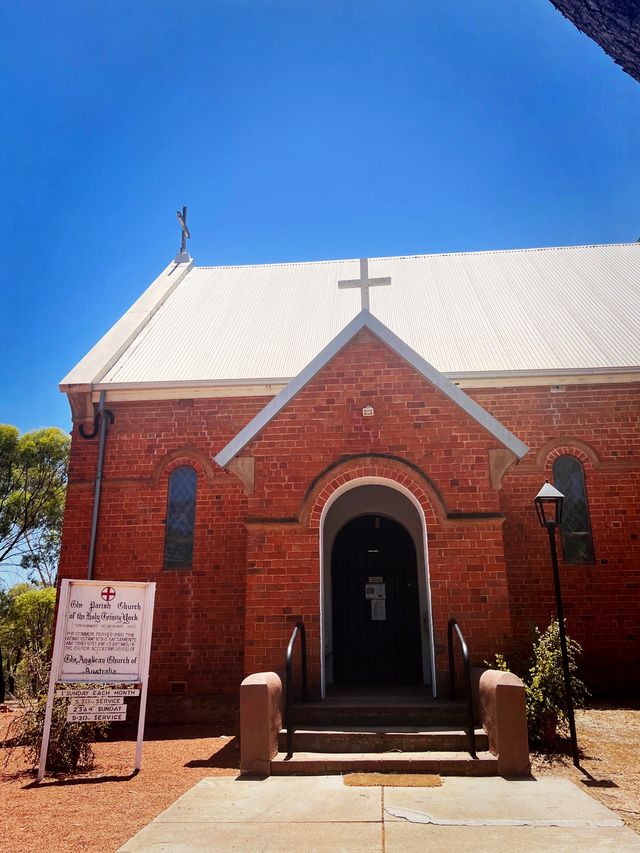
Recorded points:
(366, 320)
(543, 373)
(466, 378)
(192, 383)
(101, 358)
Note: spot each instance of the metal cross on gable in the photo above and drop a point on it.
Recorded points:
(183, 255)
(364, 282)
(182, 219)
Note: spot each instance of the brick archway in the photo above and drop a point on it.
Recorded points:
(467, 576)
(395, 471)
(328, 498)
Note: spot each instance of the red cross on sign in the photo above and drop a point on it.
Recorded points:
(108, 593)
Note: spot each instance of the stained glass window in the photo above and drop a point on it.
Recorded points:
(575, 530)
(181, 517)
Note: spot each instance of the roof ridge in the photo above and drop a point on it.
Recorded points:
(412, 256)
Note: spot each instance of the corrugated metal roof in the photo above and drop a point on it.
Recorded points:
(519, 310)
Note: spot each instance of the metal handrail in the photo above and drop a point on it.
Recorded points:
(288, 680)
(467, 681)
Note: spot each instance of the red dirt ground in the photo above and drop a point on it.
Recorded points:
(100, 810)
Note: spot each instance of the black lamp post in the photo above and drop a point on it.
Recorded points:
(548, 504)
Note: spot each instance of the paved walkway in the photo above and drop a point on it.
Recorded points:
(322, 814)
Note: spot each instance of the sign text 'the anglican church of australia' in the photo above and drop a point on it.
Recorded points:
(103, 633)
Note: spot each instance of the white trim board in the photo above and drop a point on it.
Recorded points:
(361, 321)
(180, 390)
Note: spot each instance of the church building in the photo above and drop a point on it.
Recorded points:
(357, 445)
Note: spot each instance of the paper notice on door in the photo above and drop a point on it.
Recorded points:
(378, 610)
(375, 590)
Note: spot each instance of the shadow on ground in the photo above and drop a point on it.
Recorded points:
(170, 731)
(86, 780)
(228, 757)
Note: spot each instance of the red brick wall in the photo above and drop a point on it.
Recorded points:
(413, 421)
(600, 424)
(199, 616)
(256, 558)
(444, 455)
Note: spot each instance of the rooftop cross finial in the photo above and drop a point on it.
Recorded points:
(364, 282)
(183, 256)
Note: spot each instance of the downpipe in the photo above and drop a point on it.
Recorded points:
(102, 419)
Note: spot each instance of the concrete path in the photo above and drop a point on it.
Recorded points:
(320, 813)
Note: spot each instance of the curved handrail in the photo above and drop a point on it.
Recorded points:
(288, 680)
(467, 681)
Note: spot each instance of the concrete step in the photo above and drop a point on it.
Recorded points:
(331, 715)
(379, 740)
(444, 763)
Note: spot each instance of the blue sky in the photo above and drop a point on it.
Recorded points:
(293, 130)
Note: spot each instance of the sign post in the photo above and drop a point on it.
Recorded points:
(103, 637)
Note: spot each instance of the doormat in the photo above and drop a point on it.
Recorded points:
(394, 780)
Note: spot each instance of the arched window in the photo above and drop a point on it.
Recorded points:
(575, 530)
(181, 518)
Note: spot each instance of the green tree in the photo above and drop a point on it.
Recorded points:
(26, 622)
(33, 478)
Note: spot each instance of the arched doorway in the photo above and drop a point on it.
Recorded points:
(397, 509)
(376, 609)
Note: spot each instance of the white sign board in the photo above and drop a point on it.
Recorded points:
(108, 701)
(103, 632)
(85, 709)
(103, 635)
(378, 610)
(91, 715)
(68, 692)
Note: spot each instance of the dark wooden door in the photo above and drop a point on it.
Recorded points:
(375, 640)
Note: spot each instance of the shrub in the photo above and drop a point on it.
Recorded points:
(546, 701)
(69, 743)
(543, 680)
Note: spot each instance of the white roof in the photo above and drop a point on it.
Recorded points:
(498, 312)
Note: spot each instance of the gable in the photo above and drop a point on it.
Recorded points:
(365, 320)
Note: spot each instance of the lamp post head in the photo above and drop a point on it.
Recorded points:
(548, 503)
